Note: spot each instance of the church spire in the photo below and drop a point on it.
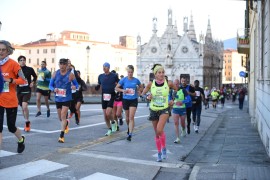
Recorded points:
(191, 30)
(208, 32)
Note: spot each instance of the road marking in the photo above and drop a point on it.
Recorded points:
(6, 153)
(130, 160)
(74, 128)
(98, 176)
(30, 169)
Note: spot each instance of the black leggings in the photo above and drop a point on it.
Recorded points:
(188, 110)
(11, 118)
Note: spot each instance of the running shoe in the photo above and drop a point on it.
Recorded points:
(184, 133)
(77, 122)
(61, 140)
(109, 132)
(21, 145)
(27, 126)
(159, 159)
(177, 141)
(121, 121)
(114, 127)
(38, 114)
(129, 138)
(197, 129)
(164, 153)
(194, 126)
(48, 113)
(67, 129)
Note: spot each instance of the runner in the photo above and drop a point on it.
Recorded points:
(43, 81)
(118, 107)
(222, 95)
(197, 105)
(24, 91)
(79, 97)
(214, 95)
(179, 110)
(159, 107)
(107, 81)
(61, 85)
(206, 94)
(191, 92)
(131, 89)
(12, 76)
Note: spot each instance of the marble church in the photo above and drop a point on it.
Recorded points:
(181, 55)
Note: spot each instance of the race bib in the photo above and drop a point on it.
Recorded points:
(130, 91)
(107, 97)
(6, 87)
(25, 84)
(41, 77)
(159, 101)
(198, 93)
(61, 92)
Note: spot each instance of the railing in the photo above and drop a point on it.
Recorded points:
(243, 40)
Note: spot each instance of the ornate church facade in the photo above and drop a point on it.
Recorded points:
(181, 55)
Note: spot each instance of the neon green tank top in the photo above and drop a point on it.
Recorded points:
(160, 96)
(180, 96)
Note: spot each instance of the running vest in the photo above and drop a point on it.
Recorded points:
(180, 96)
(160, 96)
(63, 85)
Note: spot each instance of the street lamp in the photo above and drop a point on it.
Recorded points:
(87, 68)
(0, 25)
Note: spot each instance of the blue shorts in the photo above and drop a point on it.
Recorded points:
(180, 111)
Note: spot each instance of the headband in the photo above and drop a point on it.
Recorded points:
(158, 67)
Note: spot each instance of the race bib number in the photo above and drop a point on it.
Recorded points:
(6, 87)
(159, 101)
(61, 92)
(130, 91)
(198, 93)
(107, 97)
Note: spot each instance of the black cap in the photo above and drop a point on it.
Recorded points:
(63, 61)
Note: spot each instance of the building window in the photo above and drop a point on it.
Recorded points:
(44, 51)
(29, 61)
(44, 59)
(52, 51)
(29, 51)
(37, 51)
(37, 61)
(52, 60)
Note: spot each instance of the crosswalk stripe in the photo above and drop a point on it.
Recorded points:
(30, 169)
(99, 176)
(6, 153)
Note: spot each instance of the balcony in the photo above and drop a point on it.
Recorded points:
(243, 41)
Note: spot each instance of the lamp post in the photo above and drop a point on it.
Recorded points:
(87, 67)
(0, 25)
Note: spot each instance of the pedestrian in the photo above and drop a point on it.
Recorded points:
(131, 91)
(24, 90)
(79, 97)
(214, 97)
(159, 107)
(61, 83)
(118, 107)
(197, 105)
(206, 96)
(191, 92)
(43, 81)
(107, 81)
(179, 109)
(241, 97)
(222, 95)
(12, 76)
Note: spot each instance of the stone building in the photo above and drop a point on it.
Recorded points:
(181, 55)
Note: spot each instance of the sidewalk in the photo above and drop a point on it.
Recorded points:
(231, 149)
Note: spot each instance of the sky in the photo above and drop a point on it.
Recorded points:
(24, 21)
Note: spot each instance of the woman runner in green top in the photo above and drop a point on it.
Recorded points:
(159, 107)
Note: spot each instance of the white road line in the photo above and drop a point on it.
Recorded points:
(129, 160)
(6, 153)
(30, 169)
(99, 176)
